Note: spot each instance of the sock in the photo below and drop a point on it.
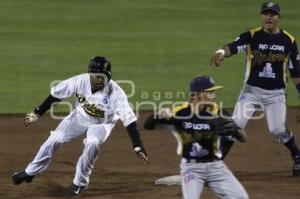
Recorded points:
(292, 146)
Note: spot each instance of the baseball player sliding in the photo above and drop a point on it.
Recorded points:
(100, 103)
(200, 127)
(270, 52)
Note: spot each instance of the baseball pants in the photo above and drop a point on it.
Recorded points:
(70, 128)
(271, 102)
(215, 175)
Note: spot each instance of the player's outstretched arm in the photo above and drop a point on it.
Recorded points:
(137, 143)
(218, 58)
(34, 116)
(163, 116)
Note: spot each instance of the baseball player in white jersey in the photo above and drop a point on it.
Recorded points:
(270, 53)
(100, 102)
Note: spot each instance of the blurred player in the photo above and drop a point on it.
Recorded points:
(270, 52)
(100, 103)
(199, 126)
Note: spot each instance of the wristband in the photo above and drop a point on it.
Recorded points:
(222, 51)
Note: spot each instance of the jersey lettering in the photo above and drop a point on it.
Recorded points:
(267, 71)
(198, 151)
(190, 125)
(92, 110)
(271, 47)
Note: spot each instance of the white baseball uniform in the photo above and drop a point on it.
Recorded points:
(95, 114)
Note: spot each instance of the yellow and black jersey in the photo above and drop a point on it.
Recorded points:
(196, 132)
(268, 57)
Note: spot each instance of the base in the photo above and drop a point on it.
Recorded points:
(174, 180)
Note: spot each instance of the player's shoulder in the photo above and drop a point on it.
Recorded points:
(181, 109)
(286, 33)
(254, 31)
(114, 85)
(113, 88)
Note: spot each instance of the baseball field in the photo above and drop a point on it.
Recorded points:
(156, 48)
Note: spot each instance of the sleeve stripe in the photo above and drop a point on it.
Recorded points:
(178, 108)
(289, 35)
(254, 30)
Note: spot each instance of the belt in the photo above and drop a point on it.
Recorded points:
(200, 160)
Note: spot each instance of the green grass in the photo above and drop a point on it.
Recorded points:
(158, 44)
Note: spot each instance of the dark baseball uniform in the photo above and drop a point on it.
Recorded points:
(201, 162)
(268, 58)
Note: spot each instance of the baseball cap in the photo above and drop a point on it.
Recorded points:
(203, 83)
(272, 6)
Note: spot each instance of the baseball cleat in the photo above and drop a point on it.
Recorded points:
(77, 190)
(296, 166)
(19, 177)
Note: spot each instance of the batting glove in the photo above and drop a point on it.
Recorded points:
(141, 153)
(31, 118)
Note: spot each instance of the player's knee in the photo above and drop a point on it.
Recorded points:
(97, 134)
(92, 144)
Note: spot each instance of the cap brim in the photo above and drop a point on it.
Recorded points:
(269, 9)
(214, 88)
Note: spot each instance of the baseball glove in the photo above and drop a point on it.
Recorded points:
(227, 127)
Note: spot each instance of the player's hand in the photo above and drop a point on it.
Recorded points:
(165, 113)
(217, 59)
(141, 153)
(31, 118)
(240, 135)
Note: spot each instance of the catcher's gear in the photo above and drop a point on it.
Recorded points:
(31, 118)
(227, 127)
(141, 153)
(100, 65)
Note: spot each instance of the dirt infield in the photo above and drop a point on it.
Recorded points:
(262, 165)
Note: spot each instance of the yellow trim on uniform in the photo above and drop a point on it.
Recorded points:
(248, 65)
(214, 88)
(289, 35)
(214, 110)
(215, 145)
(180, 107)
(254, 30)
(249, 53)
(284, 74)
(179, 138)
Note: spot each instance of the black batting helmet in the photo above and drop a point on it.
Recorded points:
(100, 65)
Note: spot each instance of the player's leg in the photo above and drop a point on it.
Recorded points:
(244, 108)
(192, 180)
(68, 129)
(96, 136)
(276, 119)
(243, 111)
(224, 183)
